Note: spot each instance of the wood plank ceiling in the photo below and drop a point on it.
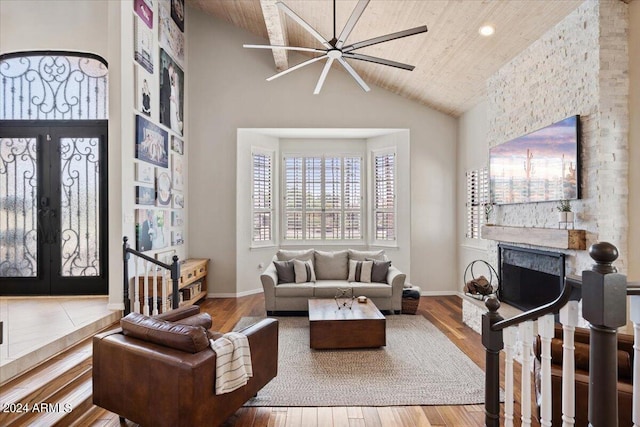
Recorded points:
(452, 60)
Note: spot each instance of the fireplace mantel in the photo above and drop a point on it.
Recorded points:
(547, 237)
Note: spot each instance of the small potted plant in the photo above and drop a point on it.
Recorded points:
(564, 211)
(488, 209)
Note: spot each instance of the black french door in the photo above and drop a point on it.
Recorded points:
(53, 208)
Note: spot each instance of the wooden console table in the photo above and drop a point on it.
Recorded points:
(192, 283)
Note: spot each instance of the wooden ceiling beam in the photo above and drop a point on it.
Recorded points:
(277, 32)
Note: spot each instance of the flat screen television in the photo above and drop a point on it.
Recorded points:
(541, 166)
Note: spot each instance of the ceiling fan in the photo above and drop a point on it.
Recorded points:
(335, 49)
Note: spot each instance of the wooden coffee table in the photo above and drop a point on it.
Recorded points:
(361, 327)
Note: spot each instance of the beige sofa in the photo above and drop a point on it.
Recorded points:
(332, 270)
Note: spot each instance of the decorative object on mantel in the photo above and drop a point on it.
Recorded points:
(488, 210)
(548, 237)
(565, 215)
(344, 298)
(335, 48)
(479, 287)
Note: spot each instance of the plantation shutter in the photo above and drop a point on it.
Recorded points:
(262, 197)
(384, 203)
(477, 199)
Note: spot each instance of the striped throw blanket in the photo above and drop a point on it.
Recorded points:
(233, 362)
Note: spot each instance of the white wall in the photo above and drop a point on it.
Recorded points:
(54, 24)
(230, 92)
(473, 153)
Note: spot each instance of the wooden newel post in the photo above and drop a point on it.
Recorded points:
(125, 258)
(175, 278)
(493, 343)
(604, 306)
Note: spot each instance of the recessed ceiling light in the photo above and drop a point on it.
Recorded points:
(487, 30)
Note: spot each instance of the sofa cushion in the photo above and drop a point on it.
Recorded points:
(360, 271)
(329, 288)
(372, 290)
(303, 255)
(379, 271)
(363, 255)
(294, 290)
(285, 271)
(331, 265)
(304, 271)
(191, 339)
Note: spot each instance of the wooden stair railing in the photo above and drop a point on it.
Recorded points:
(604, 296)
(150, 273)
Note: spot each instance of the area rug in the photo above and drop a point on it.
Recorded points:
(418, 366)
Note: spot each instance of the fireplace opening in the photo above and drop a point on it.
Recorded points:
(529, 278)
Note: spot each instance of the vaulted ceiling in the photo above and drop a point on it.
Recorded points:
(453, 61)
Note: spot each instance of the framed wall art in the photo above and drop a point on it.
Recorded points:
(145, 173)
(176, 238)
(177, 172)
(152, 142)
(171, 93)
(143, 45)
(171, 37)
(144, 11)
(178, 201)
(145, 195)
(177, 13)
(151, 229)
(144, 97)
(163, 188)
(177, 219)
(177, 145)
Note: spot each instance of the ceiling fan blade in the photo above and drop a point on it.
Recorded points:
(351, 23)
(323, 76)
(266, 46)
(304, 25)
(388, 37)
(355, 75)
(378, 61)
(295, 67)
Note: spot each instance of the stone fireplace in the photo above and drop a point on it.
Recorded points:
(529, 278)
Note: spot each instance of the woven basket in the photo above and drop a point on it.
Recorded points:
(410, 305)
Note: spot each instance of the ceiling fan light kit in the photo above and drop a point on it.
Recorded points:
(335, 49)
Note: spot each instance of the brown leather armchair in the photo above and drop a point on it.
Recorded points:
(625, 377)
(154, 384)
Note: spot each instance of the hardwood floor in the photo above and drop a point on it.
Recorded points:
(444, 312)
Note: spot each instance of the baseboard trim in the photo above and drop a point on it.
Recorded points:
(438, 293)
(235, 294)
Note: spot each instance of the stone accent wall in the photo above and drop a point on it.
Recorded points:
(578, 67)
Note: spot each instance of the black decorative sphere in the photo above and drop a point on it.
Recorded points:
(603, 252)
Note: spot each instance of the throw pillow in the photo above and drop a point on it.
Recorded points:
(379, 271)
(285, 271)
(304, 271)
(331, 265)
(360, 271)
(363, 255)
(286, 255)
(200, 319)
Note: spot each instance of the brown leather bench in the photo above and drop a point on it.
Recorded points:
(172, 383)
(625, 377)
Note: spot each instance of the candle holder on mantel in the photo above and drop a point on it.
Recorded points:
(344, 298)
